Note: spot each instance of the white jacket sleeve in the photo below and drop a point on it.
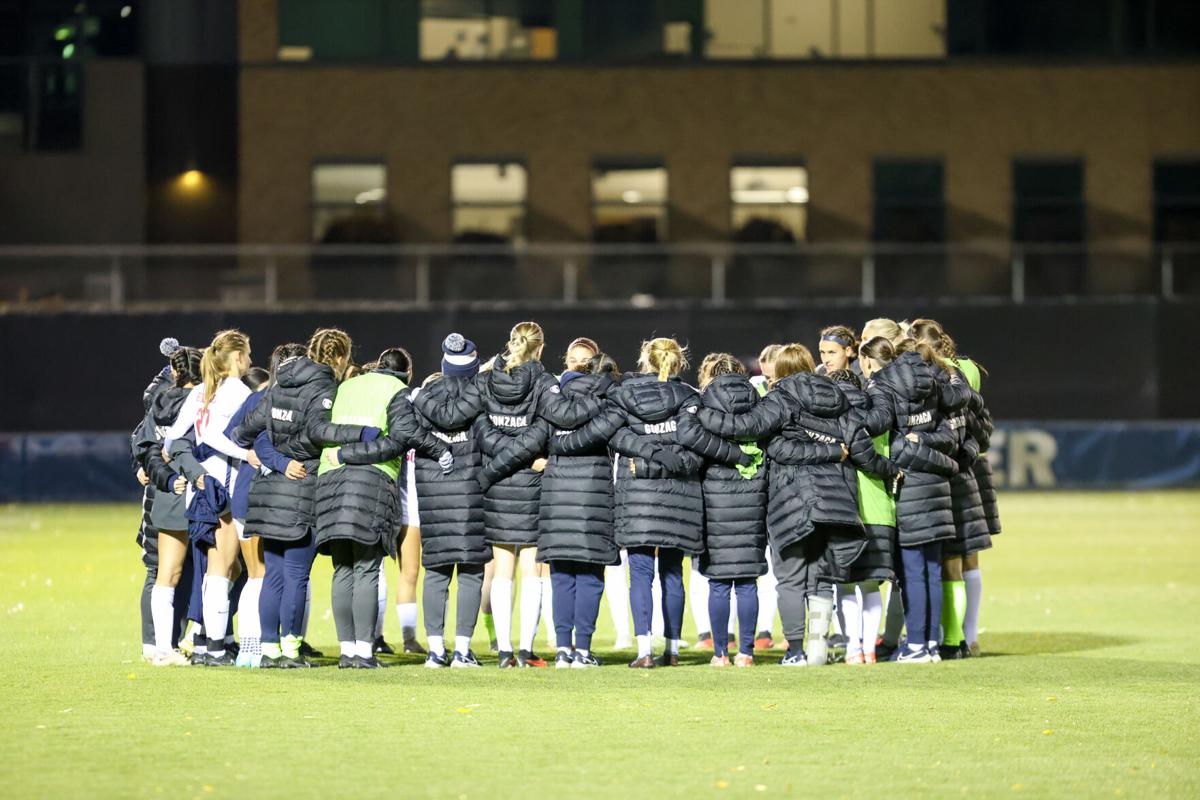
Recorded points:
(224, 405)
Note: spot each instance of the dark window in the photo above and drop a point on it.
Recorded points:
(910, 209)
(1177, 219)
(1049, 219)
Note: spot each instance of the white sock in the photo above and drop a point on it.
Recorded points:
(437, 645)
(583, 653)
(768, 600)
(973, 578)
(149, 651)
(216, 608)
(248, 624)
(347, 649)
(643, 644)
(462, 644)
(502, 612)
(698, 597)
(363, 649)
(381, 600)
(616, 589)
(548, 610)
(162, 612)
(872, 615)
(657, 626)
(848, 597)
(531, 609)
(407, 614)
(673, 646)
(566, 650)
(307, 610)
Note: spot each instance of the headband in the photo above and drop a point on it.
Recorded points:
(833, 337)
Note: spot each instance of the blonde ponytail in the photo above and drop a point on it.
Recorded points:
(524, 343)
(663, 356)
(217, 359)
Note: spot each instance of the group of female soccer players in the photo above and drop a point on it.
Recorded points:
(813, 485)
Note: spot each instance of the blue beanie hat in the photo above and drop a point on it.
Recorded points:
(459, 358)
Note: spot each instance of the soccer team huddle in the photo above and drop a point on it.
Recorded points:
(800, 491)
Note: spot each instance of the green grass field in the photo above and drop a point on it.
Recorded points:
(1089, 688)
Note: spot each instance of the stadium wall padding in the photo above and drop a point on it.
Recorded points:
(1090, 360)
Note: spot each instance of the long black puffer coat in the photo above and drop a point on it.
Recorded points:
(878, 559)
(296, 413)
(359, 501)
(980, 427)
(658, 500)
(970, 525)
(452, 528)
(576, 518)
(809, 485)
(905, 398)
(735, 507)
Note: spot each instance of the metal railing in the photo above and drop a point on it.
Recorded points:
(52, 277)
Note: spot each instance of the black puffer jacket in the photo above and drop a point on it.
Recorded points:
(164, 409)
(651, 424)
(808, 483)
(878, 559)
(359, 501)
(296, 413)
(970, 525)
(980, 427)
(735, 507)
(512, 436)
(452, 530)
(575, 522)
(905, 398)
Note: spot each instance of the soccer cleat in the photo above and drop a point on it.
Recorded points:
(719, 661)
(267, 662)
(965, 650)
(563, 660)
(794, 659)
(461, 661)
(171, 659)
(358, 662)
(883, 650)
(743, 660)
(434, 661)
(580, 661)
(413, 647)
(764, 641)
(233, 647)
(246, 660)
(950, 652)
(380, 646)
(299, 662)
(918, 656)
(346, 662)
(855, 658)
(527, 658)
(505, 660)
(667, 660)
(226, 659)
(838, 641)
(642, 662)
(704, 641)
(308, 651)
(198, 658)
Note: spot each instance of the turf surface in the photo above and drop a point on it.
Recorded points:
(1089, 687)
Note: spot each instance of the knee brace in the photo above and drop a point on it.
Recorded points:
(820, 613)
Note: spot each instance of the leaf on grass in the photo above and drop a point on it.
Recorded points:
(770, 706)
(131, 676)
(1047, 732)
(463, 710)
(760, 787)
(722, 784)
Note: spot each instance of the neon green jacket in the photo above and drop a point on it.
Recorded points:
(363, 400)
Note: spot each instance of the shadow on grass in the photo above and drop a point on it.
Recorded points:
(1033, 643)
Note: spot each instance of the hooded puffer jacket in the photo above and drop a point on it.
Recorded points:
(166, 507)
(452, 529)
(295, 412)
(358, 501)
(877, 507)
(512, 436)
(808, 483)
(970, 525)
(576, 518)
(658, 499)
(735, 504)
(982, 433)
(905, 399)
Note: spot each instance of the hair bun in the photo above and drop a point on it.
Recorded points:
(168, 346)
(455, 343)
